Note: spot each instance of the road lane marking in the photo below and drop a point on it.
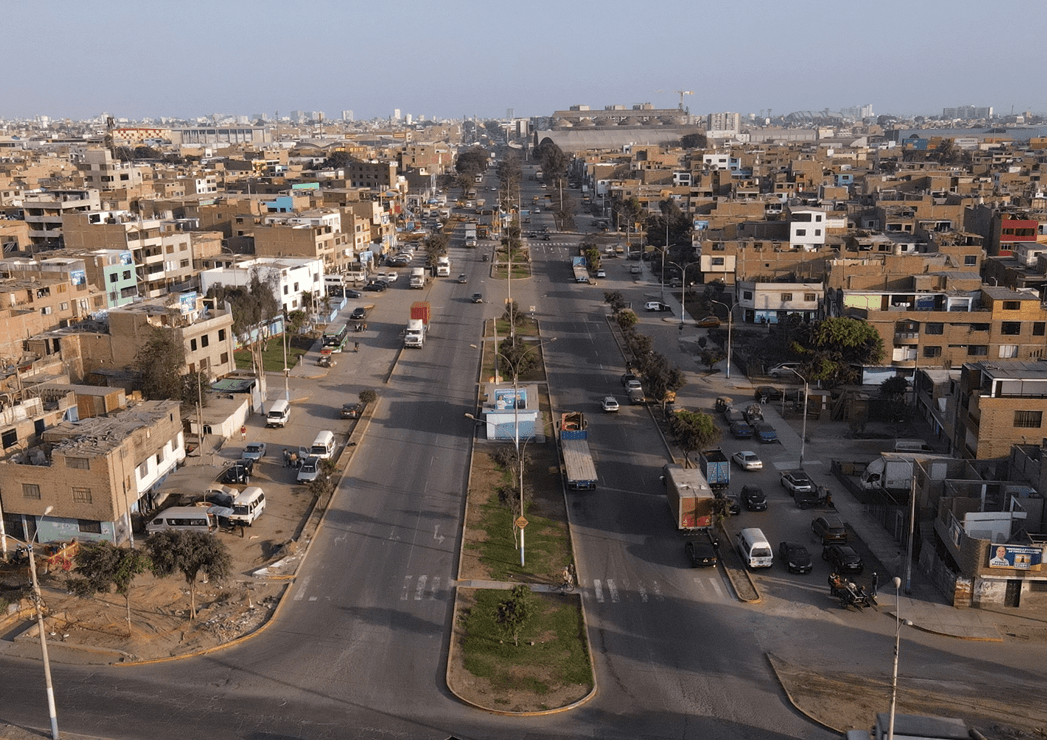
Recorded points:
(598, 589)
(420, 589)
(435, 588)
(407, 588)
(643, 593)
(437, 536)
(301, 588)
(656, 587)
(612, 590)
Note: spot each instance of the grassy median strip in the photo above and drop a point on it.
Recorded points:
(551, 654)
(545, 543)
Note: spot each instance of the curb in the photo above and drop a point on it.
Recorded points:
(771, 662)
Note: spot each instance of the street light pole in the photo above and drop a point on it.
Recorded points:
(803, 427)
(38, 603)
(730, 324)
(897, 650)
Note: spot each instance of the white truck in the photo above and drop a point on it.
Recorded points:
(418, 324)
(893, 471)
(418, 278)
(470, 235)
(443, 266)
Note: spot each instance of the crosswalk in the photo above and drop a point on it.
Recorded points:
(422, 588)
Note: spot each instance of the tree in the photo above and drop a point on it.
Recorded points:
(435, 246)
(894, 388)
(693, 141)
(627, 319)
(368, 396)
(159, 364)
(471, 162)
(512, 313)
(338, 161)
(694, 430)
(709, 356)
(615, 299)
(102, 566)
(296, 321)
(679, 223)
(323, 484)
(188, 553)
(554, 161)
(833, 347)
(520, 354)
(193, 385)
(516, 612)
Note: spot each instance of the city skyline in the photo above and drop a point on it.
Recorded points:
(242, 59)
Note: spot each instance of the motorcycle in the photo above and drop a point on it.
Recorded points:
(850, 593)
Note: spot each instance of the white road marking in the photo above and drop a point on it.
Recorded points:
(301, 588)
(598, 589)
(612, 590)
(657, 591)
(435, 588)
(643, 593)
(437, 536)
(407, 588)
(420, 589)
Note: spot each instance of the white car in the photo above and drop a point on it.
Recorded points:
(610, 403)
(784, 370)
(389, 277)
(310, 470)
(747, 460)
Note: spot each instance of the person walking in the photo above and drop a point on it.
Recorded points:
(243, 432)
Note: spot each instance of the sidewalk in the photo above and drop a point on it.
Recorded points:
(924, 606)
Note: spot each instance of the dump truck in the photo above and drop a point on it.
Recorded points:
(716, 467)
(690, 497)
(579, 468)
(418, 324)
(418, 277)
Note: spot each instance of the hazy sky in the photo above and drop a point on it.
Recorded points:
(143, 58)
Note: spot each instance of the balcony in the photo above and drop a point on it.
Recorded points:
(906, 337)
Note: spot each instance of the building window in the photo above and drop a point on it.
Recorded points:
(8, 438)
(63, 306)
(747, 295)
(81, 495)
(1028, 419)
(143, 470)
(934, 328)
(932, 352)
(979, 327)
(31, 490)
(127, 274)
(113, 277)
(204, 340)
(786, 297)
(80, 463)
(810, 297)
(801, 232)
(970, 260)
(817, 232)
(1008, 351)
(221, 335)
(718, 261)
(1037, 328)
(286, 290)
(977, 350)
(87, 526)
(224, 359)
(1012, 305)
(1011, 328)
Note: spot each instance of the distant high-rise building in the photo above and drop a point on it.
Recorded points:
(409, 119)
(967, 112)
(509, 113)
(723, 122)
(347, 115)
(396, 114)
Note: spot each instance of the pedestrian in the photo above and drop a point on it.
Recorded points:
(356, 346)
(875, 583)
(287, 458)
(243, 432)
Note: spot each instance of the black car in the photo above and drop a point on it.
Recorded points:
(353, 294)
(754, 498)
(352, 410)
(378, 286)
(795, 557)
(239, 473)
(358, 313)
(701, 552)
(843, 559)
(733, 507)
(830, 529)
(478, 297)
(765, 393)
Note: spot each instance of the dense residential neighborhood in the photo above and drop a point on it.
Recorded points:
(860, 300)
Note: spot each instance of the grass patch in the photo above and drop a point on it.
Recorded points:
(557, 658)
(273, 354)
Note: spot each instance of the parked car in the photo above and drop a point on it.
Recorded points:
(353, 294)
(843, 559)
(635, 270)
(701, 552)
(253, 451)
(754, 498)
(309, 470)
(352, 410)
(765, 432)
(377, 286)
(601, 273)
(796, 480)
(795, 557)
(765, 393)
(709, 322)
(656, 306)
(478, 297)
(546, 237)
(630, 381)
(610, 403)
(747, 460)
(388, 277)
(358, 314)
(741, 430)
(239, 473)
(830, 529)
(220, 495)
(784, 370)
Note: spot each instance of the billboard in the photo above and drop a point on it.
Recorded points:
(1021, 557)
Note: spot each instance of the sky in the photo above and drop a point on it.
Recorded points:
(140, 59)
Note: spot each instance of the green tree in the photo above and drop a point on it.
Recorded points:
(188, 553)
(679, 225)
(194, 391)
(368, 396)
(435, 246)
(693, 141)
(323, 484)
(694, 430)
(616, 300)
(554, 161)
(627, 319)
(296, 321)
(471, 162)
(709, 356)
(159, 364)
(513, 314)
(520, 354)
(102, 567)
(516, 612)
(833, 347)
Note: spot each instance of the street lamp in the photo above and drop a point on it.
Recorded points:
(683, 286)
(897, 648)
(730, 324)
(803, 430)
(37, 602)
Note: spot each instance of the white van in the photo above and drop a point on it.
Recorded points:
(248, 506)
(912, 445)
(278, 414)
(323, 446)
(755, 549)
(184, 518)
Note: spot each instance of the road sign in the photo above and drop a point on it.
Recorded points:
(520, 522)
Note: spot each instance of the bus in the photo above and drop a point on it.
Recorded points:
(336, 336)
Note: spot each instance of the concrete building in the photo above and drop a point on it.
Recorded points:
(45, 211)
(96, 473)
(308, 236)
(998, 405)
(289, 277)
(101, 172)
(769, 303)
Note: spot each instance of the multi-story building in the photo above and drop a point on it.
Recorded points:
(376, 175)
(101, 172)
(769, 303)
(316, 236)
(45, 211)
(999, 404)
(95, 473)
(288, 276)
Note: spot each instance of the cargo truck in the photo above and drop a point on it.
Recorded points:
(717, 468)
(690, 497)
(443, 266)
(579, 468)
(418, 277)
(418, 324)
(581, 272)
(470, 236)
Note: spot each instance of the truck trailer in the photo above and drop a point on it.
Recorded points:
(690, 497)
(418, 324)
(418, 278)
(579, 468)
(716, 467)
